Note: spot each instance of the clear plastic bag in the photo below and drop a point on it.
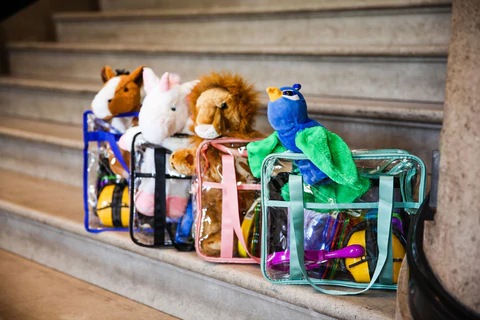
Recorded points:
(228, 199)
(106, 174)
(340, 240)
(162, 209)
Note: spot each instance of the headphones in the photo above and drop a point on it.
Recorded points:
(365, 234)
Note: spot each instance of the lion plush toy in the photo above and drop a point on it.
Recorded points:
(120, 94)
(222, 105)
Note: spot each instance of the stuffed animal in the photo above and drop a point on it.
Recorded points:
(120, 94)
(330, 158)
(222, 105)
(164, 113)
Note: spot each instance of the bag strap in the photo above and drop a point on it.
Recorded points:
(160, 207)
(230, 210)
(297, 259)
(160, 223)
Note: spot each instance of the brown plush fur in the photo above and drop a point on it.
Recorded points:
(127, 95)
(127, 99)
(236, 120)
(230, 104)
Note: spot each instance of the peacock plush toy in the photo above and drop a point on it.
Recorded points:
(330, 168)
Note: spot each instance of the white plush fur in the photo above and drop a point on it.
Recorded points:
(100, 102)
(206, 131)
(158, 123)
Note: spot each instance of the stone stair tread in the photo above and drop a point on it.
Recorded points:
(438, 50)
(320, 6)
(325, 105)
(32, 291)
(60, 206)
(44, 132)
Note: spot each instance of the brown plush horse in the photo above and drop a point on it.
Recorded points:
(120, 94)
(222, 105)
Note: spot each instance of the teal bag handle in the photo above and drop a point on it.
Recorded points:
(297, 259)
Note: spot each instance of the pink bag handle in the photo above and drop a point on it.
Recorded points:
(230, 210)
(231, 151)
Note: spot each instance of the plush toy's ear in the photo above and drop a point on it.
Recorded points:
(107, 73)
(150, 80)
(187, 87)
(173, 79)
(165, 83)
(137, 76)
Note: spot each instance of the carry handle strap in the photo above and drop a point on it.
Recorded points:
(297, 259)
(230, 210)
(232, 151)
(160, 223)
(112, 141)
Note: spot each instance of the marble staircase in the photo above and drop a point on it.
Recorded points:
(372, 71)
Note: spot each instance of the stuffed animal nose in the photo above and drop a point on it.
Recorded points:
(274, 93)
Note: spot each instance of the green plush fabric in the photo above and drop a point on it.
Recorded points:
(333, 156)
(329, 153)
(259, 150)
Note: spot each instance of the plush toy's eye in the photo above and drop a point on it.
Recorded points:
(109, 100)
(125, 89)
(224, 106)
(174, 109)
(290, 95)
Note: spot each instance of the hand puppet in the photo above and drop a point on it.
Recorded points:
(330, 158)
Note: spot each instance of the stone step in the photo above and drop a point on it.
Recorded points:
(44, 100)
(261, 26)
(416, 73)
(32, 291)
(42, 149)
(45, 225)
(370, 124)
(65, 102)
(110, 5)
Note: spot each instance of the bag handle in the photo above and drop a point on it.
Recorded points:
(297, 259)
(230, 210)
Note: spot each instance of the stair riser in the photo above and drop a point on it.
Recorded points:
(64, 164)
(109, 5)
(65, 107)
(420, 79)
(42, 160)
(172, 290)
(360, 28)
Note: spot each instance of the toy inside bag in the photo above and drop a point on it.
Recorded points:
(161, 211)
(336, 199)
(106, 166)
(340, 244)
(228, 203)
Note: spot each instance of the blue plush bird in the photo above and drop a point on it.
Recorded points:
(329, 157)
(287, 114)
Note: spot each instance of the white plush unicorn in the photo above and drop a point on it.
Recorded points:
(164, 113)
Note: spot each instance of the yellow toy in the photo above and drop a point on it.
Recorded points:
(113, 206)
(363, 267)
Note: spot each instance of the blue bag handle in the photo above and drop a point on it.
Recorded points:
(297, 260)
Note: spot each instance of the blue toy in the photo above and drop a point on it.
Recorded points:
(287, 114)
(329, 157)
